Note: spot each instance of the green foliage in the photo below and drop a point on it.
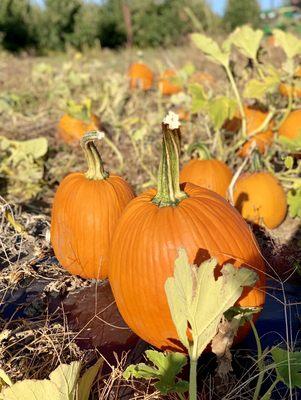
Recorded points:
(294, 202)
(241, 12)
(165, 369)
(288, 366)
(64, 383)
(197, 299)
(21, 167)
(18, 24)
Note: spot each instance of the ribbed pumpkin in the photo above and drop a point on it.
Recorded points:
(151, 230)
(141, 76)
(260, 198)
(291, 126)
(71, 129)
(85, 211)
(208, 173)
(166, 85)
(263, 140)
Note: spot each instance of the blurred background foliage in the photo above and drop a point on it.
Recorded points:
(42, 26)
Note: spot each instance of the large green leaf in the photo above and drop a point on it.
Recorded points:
(211, 49)
(86, 381)
(165, 369)
(290, 44)
(221, 109)
(259, 88)
(247, 40)
(198, 300)
(288, 366)
(294, 202)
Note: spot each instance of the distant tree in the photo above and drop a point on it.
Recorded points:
(58, 25)
(18, 29)
(240, 12)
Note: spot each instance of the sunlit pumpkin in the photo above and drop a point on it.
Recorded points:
(85, 211)
(208, 173)
(263, 140)
(166, 84)
(71, 129)
(151, 230)
(260, 199)
(291, 126)
(141, 76)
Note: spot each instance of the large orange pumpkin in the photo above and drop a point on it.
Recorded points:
(166, 85)
(260, 198)
(141, 76)
(71, 129)
(85, 211)
(151, 230)
(291, 126)
(263, 140)
(208, 173)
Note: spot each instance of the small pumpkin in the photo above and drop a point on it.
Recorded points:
(263, 140)
(151, 230)
(166, 85)
(85, 210)
(260, 199)
(208, 173)
(71, 129)
(141, 76)
(203, 78)
(291, 126)
(292, 90)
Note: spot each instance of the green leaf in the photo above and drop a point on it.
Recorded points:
(220, 109)
(294, 202)
(197, 299)
(259, 88)
(61, 386)
(199, 99)
(288, 366)
(247, 40)
(289, 162)
(166, 368)
(86, 381)
(37, 148)
(290, 144)
(211, 49)
(290, 43)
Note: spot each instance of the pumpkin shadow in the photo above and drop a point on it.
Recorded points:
(243, 197)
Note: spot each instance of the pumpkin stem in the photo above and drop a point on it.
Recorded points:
(256, 161)
(168, 190)
(95, 165)
(202, 152)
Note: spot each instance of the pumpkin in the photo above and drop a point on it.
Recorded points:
(166, 84)
(260, 199)
(151, 230)
(71, 129)
(291, 126)
(209, 173)
(141, 76)
(85, 211)
(288, 90)
(254, 119)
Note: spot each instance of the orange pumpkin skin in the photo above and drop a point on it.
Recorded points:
(145, 245)
(263, 140)
(260, 198)
(141, 76)
(202, 78)
(211, 174)
(166, 86)
(84, 216)
(71, 129)
(291, 126)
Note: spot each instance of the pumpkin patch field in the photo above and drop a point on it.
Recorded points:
(151, 221)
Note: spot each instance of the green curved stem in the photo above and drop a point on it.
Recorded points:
(168, 190)
(238, 99)
(95, 165)
(200, 149)
(260, 362)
